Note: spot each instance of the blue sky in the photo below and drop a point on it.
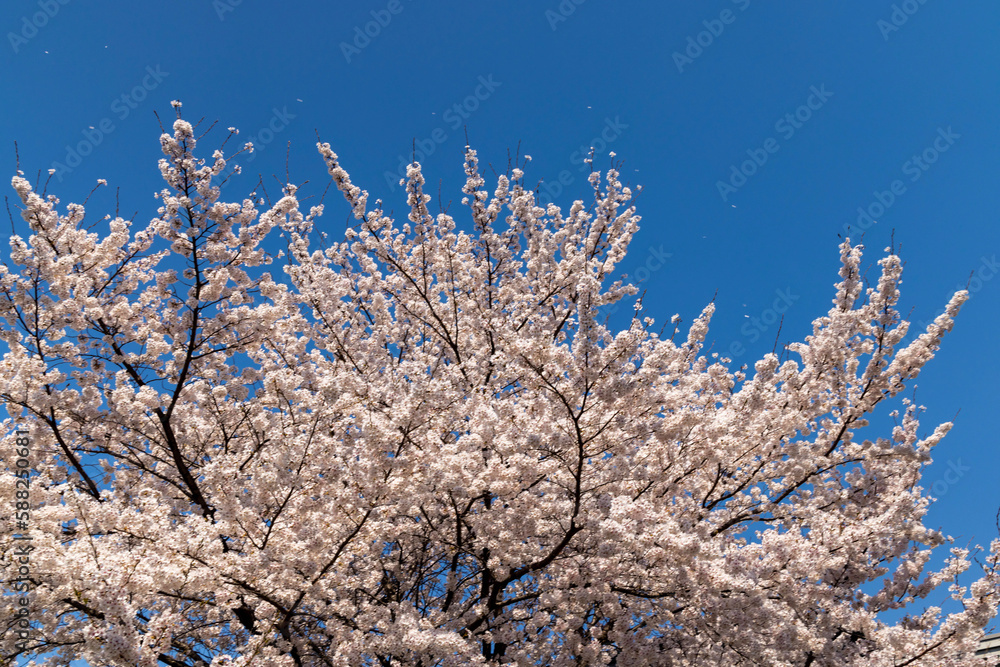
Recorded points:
(828, 106)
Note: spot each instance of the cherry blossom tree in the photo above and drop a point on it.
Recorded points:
(423, 445)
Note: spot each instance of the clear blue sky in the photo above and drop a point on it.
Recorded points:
(681, 93)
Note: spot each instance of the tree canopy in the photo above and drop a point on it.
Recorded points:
(423, 445)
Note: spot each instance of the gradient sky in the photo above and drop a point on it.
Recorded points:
(887, 107)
